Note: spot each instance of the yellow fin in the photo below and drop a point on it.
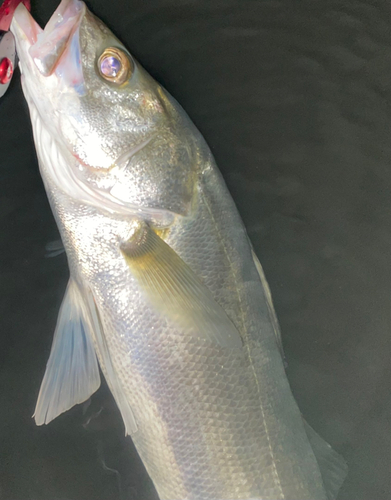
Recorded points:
(175, 290)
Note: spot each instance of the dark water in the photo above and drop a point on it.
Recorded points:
(294, 100)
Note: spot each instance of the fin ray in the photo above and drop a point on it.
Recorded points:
(333, 467)
(175, 290)
(72, 373)
(269, 301)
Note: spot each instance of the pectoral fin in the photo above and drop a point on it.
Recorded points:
(175, 290)
(72, 373)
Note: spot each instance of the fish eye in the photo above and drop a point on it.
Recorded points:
(115, 66)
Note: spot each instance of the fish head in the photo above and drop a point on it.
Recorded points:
(106, 133)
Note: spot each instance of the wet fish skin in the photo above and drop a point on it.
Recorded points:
(184, 331)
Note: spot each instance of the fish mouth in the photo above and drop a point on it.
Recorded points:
(47, 47)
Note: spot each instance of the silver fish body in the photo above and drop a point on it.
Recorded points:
(174, 301)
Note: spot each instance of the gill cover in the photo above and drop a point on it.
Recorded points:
(123, 146)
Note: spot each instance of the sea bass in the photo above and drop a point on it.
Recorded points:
(165, 291)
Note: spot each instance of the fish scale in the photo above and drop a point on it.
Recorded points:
(228, 397)
(165, 290)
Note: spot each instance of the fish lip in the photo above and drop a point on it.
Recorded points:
(24, 27)
(46, 46)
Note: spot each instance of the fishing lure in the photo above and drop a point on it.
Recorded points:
(7, 43)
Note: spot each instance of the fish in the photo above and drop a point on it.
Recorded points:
(166, 294)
